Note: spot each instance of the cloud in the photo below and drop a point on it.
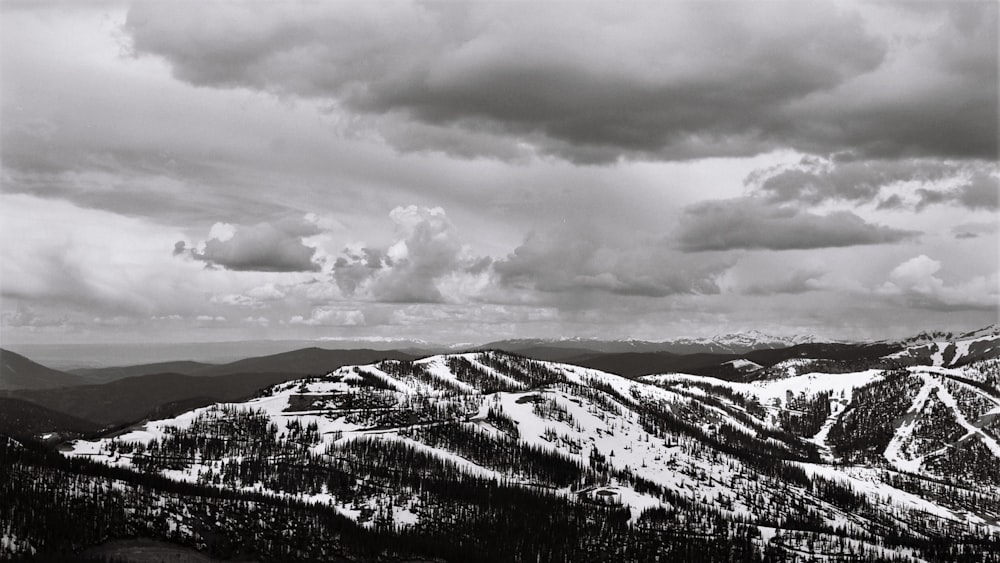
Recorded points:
(894, 184)
(982, 191)
(915, 282)
(25, 316)
(330, 316)
(974, 230)
(83, 259)
(815, 180)
(264, 247)
(573, 260)
(596, 82)
(427, 256)
(798, 281)
(750, 223)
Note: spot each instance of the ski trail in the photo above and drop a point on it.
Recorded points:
(894, 450)
(838, 407)
(948, 400)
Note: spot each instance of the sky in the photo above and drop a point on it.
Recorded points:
(467, 172)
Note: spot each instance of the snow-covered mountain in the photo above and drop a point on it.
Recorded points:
(733, 343)
(929, 336)
(950, 349)
(741, 342)
(873, 461)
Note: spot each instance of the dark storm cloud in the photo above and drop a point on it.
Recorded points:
(264, 247)
(750, 223)
(602, 81)
(579, 261)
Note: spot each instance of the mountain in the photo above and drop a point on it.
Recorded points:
(735, 343)
(306, 361)
(101, 375)
(18, 372)
(580, 345)
(948, 349)
(133, 399)
(495, 456)
(834, 356)
(927, 337)
(634, 364)
(156, 394)
(24, 420)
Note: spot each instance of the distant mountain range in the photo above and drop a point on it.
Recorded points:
(734, 343)
(18, 372)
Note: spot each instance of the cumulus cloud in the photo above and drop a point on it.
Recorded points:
(601, 81)
(916, 282)
(578, 260)
(982, 191)
(264, 247)
(750, 223)
(330, 316)
(414, 268)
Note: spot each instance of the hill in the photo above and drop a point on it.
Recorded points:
(156, 394)
(103, 375)
(23, 420)
(718, 365)
(306, 361)
(865, 465)
(18, 372)
(136, 398)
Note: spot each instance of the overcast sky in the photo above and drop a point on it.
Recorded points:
(197, 171)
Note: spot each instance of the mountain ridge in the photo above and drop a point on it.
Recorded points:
(668, 442)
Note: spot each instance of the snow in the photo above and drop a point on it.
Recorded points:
(837, 408)
(898, 452)
(743, 364)
(695, 473)
(838, 384)
(867, 480)
(946, 397)
(473, 358)
(437, 367)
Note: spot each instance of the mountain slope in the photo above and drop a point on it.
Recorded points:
(306, 361)
(847, 357)
(23, 420)
(149, 396)
(103, 375)
(18, 372)
(394, 443)
(949, 350)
